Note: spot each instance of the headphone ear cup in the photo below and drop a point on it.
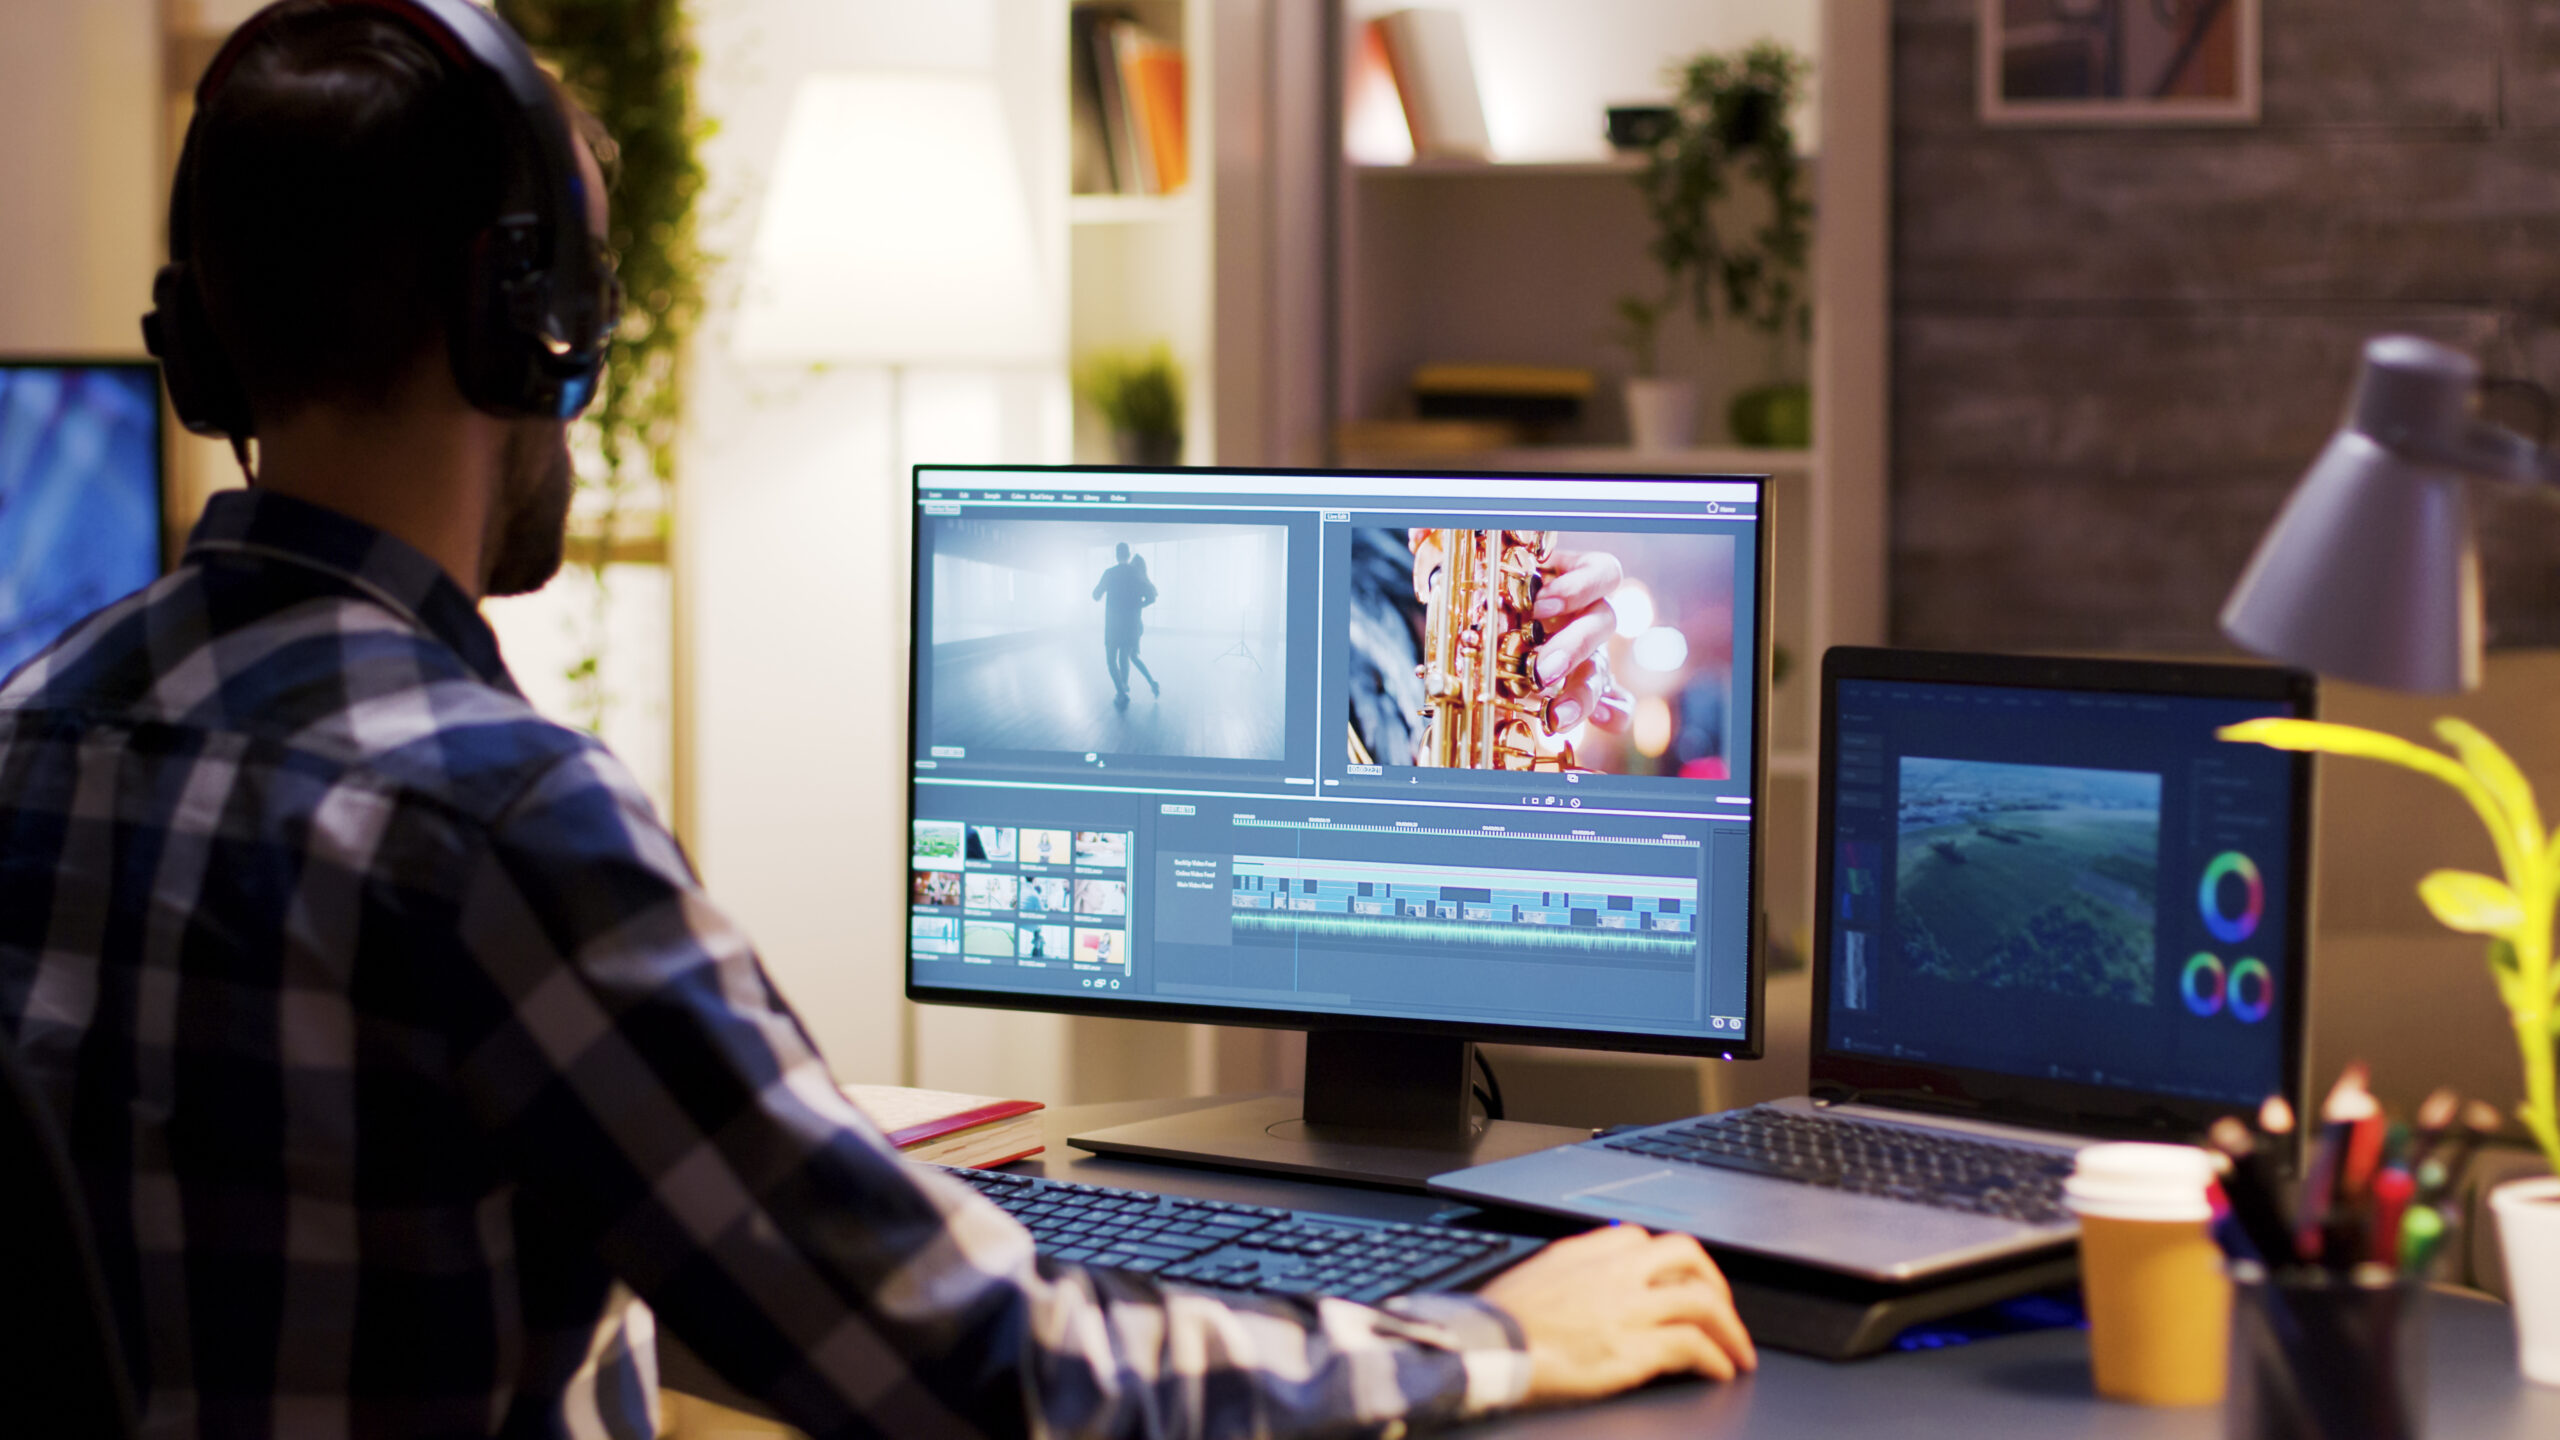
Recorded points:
(179, 333)
(492, 348)
(500, 361)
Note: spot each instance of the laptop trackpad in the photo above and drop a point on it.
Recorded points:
(1672, 1193)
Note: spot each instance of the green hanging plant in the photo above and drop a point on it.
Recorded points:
(1730, 121)
(631, 63)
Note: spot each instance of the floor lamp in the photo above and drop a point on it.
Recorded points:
(895, 232)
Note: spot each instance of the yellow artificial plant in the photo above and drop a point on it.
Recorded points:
(2515, 913)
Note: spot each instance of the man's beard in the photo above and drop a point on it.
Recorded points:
(536, 528)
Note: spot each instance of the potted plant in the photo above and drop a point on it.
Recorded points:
(1730, 121)
(1138, 393)
(1662, 414)
(2516, 914)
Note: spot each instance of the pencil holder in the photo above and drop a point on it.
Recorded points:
(2321, 1356)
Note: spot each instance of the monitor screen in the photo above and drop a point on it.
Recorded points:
(79, 495)
(1468, 754)
(2070, 884)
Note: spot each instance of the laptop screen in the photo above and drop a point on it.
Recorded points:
(2065, 884)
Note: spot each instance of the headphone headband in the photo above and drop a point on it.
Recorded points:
(539, 303)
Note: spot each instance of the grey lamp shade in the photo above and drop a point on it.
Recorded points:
(2370, 572)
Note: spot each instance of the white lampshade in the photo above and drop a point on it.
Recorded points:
(895, 231)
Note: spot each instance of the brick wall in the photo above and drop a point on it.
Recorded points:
(2115, 350)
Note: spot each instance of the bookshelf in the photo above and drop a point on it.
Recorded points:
(1299, 289)
(1519, 260)
(1140, 266)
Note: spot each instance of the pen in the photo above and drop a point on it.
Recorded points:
(2392, 1190)
(2421, 1234)
(2435, 1115)
(2250, 1188)
(2348, 1104)
(2480, 1120)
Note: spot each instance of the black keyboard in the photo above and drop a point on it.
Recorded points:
(1925, 1167)
(1219, 1245)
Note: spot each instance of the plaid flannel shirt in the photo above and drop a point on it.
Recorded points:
(409, 1073)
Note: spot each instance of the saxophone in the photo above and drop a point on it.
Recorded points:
(1485, 710)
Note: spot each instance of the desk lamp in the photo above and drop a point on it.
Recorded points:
(2370, 572)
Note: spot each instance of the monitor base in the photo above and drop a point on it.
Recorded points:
(1273, 1134)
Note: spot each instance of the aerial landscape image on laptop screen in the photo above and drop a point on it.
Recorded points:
(2029, 876)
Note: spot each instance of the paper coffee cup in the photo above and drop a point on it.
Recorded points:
(2159, 1304)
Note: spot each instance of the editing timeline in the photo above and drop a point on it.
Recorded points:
(1017, 896)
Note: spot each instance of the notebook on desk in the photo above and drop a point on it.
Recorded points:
(2052, 908)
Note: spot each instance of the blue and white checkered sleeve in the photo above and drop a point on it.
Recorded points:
(636, 1064)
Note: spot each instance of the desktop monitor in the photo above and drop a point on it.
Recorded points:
(80, 507)
(1292, 748)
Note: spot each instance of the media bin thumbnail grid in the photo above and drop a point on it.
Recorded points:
(1543, 914)
(1027, 896)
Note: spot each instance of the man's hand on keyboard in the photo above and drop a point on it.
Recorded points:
(1614, 1308)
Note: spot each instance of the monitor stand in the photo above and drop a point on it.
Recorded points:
(1379, 1108)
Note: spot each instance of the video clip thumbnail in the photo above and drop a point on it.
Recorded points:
(1594, 651)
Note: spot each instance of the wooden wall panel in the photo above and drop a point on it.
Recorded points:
(2115, 349)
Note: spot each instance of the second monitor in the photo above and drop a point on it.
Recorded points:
(1403, 760)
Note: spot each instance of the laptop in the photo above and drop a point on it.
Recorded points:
(2052, 909)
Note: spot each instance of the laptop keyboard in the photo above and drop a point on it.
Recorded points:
(1254, 1248)
(1925, 1167)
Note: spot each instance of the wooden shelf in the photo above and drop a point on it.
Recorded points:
(1605, 459)
(1129, 209)
(1506, 169)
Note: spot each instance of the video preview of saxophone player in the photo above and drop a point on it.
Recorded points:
(1543, 650)
(1110, 638)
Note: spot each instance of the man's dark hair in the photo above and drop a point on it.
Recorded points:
(342, 170)
(1124, 549)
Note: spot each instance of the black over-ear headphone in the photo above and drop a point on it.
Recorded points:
(539, 299)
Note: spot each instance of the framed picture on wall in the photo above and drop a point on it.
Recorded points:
(2118, 62)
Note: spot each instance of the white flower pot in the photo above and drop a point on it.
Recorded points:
(1661, 414)
(2528, 1214)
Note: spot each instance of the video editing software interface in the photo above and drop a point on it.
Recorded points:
(1334, 744)
(2067, 884)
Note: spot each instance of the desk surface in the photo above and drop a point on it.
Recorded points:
(2032, 1385)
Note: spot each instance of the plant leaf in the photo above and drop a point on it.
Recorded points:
(2499, 776)
(2523, 863)
(2330, 738)
(2475, 904)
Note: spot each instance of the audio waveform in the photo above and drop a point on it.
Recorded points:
(1338, 928)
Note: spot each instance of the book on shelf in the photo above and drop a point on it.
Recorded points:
(1427, 56)
(1529, 395)
(946, 1128)
(1129, 130)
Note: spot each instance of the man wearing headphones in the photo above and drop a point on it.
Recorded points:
(399, 1053)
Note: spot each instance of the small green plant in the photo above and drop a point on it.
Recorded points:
(2515, 913)
(1639, 332)
(1731, 123)
(1138, 391)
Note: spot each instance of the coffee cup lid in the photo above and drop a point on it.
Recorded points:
(2140, 1182)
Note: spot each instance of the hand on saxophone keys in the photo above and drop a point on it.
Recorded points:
(1572, 666)
(1516, 635)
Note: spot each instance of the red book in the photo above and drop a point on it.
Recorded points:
(944, 1128)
